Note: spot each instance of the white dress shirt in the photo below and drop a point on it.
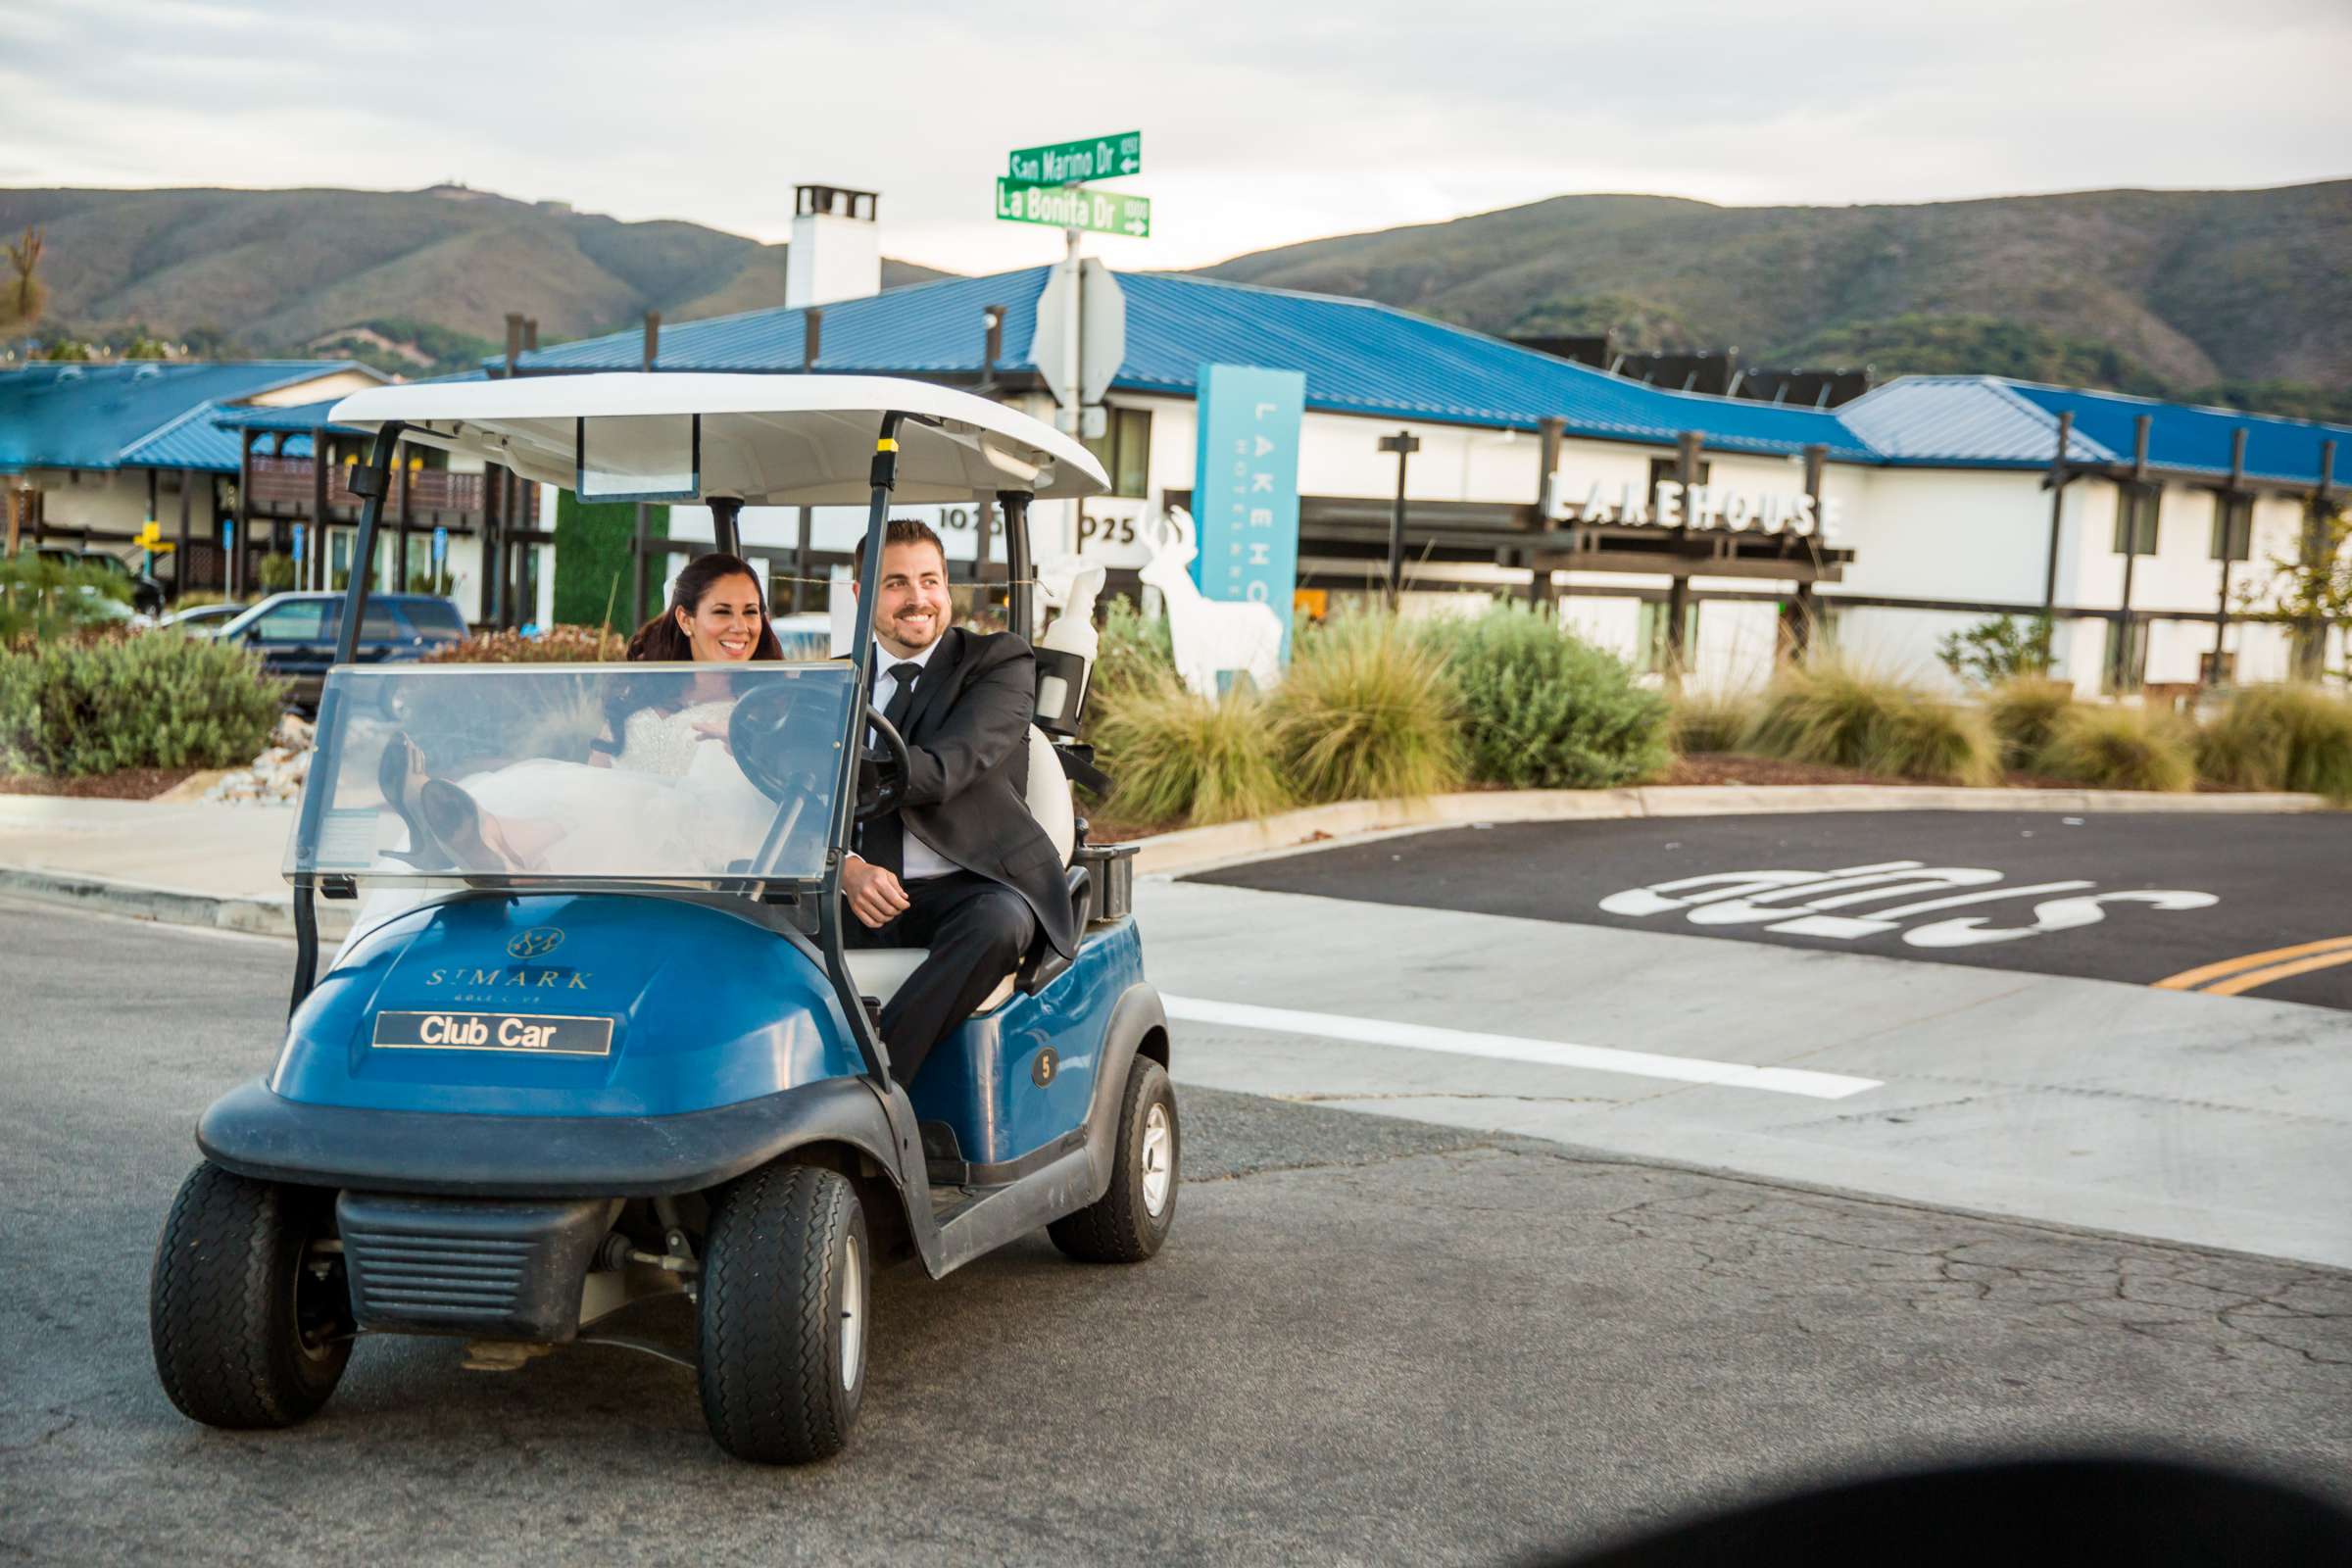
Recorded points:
(921, 860)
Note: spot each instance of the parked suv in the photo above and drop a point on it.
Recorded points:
(146, 594)
(295, 634)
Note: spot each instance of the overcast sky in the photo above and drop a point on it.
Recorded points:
(1262, 123)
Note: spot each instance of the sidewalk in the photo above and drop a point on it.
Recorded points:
(207, 862)
(184, 862)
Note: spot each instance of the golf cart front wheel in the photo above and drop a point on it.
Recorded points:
(250, 1328)
(787, 1279)
(1127, 1224)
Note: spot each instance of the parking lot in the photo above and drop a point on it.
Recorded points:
(2232, 906)
(1371, 1338)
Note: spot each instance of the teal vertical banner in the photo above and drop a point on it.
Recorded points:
(1245, 496)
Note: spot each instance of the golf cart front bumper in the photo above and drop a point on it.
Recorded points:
(256, 1132)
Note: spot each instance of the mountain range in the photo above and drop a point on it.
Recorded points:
(410, 281)
(2218, 293)
(2240, 296)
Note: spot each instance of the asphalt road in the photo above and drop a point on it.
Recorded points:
(1368, 1340)
(2253, 906)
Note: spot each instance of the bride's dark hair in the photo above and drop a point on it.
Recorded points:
(662, 640)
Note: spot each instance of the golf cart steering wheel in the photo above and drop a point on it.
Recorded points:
(882, 780)
(759, 734)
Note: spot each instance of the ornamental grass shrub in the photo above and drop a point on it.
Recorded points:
(2285, 737)
(1367, 711)
(1174, 756)
(2117, 749)
(100, 706)
(1842, 716)
(1719, 720)
(2024, 710)
(1539, 708)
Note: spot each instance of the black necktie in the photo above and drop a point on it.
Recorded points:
(882, 841)
(905, 674)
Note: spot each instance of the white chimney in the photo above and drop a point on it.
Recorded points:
(836, 249)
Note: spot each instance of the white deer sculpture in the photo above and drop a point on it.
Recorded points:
(1070, 585)
(1211, 636)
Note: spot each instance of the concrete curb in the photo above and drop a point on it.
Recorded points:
(1200, 848)
(137, 901)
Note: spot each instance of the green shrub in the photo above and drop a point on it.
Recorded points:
(274, 572)
(1718, 720)
(2289, 737)
(1543, 710)
(1134, 655)
(1366, 712)
(2024, 709)
(1174, 756)
(2117, 749)
(1834, 713)
(136, 702)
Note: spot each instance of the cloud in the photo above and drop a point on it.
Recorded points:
(1263, 124)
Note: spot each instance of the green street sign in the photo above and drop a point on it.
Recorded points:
(1100, 212)
(1067, 163)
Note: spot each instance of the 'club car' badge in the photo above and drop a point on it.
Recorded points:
(536, 943)
(534, 1034)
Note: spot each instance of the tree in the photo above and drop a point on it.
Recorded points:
(1991, 651)
(21, 305)
(2308, 591)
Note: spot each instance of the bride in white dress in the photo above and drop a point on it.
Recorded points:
(660, 794)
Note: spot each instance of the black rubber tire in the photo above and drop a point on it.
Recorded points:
(228, 1300)
(1119, 1227)
(783, 1246)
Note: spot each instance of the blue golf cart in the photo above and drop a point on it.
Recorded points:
(597, 1052)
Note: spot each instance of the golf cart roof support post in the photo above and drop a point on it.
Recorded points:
(1018, 606)
(885, 476)
(726, 536)
(368, 484)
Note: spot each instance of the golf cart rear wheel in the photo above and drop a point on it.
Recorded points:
(787, 1283)
(249, 1329)
(1127, 1224)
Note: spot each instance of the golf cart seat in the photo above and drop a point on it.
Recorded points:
(880, 971)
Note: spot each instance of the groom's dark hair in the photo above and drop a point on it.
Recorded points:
(899, 532)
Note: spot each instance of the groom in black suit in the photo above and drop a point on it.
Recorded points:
(961, 867)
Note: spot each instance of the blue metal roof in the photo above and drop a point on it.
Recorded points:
(301, 418)
(1986, 420)
(135, 414)
(1369, 358)
(2184, 438)
(924, 328)
(1358, 358)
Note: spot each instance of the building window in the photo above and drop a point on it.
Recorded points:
(1650, 653)
(2233, 528)
(1124, 449)
(2135, 663)
(2135, 508)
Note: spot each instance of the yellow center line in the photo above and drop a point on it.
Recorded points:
(2191, 979)
(2277, 971)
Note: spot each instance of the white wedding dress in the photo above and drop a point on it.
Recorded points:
(673, 803)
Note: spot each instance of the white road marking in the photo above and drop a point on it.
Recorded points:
(1515, 1047)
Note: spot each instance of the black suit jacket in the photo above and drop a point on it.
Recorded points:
(968, 737)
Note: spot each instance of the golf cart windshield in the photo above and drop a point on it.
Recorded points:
(562, 773)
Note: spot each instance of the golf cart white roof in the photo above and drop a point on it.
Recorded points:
(768, 440)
